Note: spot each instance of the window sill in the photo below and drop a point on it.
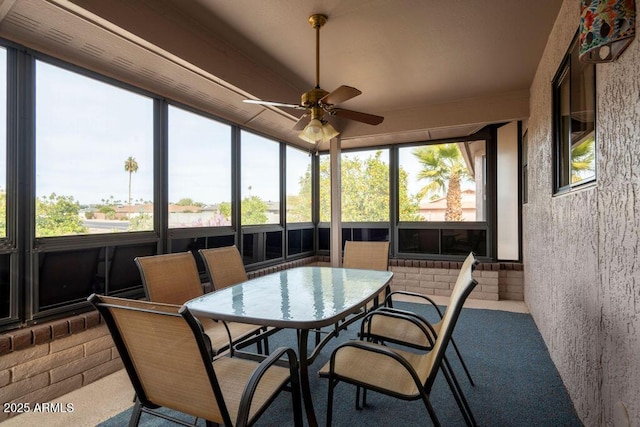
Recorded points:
(577, 189)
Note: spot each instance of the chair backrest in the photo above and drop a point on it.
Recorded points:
(170, 278)
(366, 255)
(224, 266)
(166, 357)
(461, 290)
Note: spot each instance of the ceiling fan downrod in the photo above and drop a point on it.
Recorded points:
(317, 21)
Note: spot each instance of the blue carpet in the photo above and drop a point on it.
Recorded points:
(516, 382)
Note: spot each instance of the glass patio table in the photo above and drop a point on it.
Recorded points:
(302, 298)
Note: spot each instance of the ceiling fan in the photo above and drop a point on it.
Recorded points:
(318, 101)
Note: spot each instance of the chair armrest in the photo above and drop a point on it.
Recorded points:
(369, 347)
(413, 320)
(388, 302)
(259, 372)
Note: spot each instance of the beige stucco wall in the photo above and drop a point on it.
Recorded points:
(581, 250)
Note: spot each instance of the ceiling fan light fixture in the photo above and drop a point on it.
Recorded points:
(316, 131)
(329, 132)
(312, 132)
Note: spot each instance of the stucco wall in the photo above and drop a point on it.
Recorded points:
(582, 266)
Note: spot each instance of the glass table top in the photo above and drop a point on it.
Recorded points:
(303, 297)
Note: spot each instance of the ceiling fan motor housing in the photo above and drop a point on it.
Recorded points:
(312, 98)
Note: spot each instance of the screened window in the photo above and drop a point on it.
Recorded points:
(574, 121)
(325, 188)
(260, 166)
(199, 171)
(5, 259)
(3, 142)
(365, 186)
(298, 186)
(94, 156)
(442, 182)
(525, 168)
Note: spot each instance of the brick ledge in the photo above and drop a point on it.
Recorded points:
(29, 336)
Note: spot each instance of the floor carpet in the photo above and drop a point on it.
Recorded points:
(516, 381)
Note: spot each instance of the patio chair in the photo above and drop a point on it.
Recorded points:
(169, 362)
(398, 371)
(390, 331)
(367, 255)
(224, 266)
(174, 279)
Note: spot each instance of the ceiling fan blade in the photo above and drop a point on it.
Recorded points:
(301, 123)
(274, 104)
(370, 119)
(341, 94)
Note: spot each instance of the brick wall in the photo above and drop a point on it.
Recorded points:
(511, 282)
(46, 361)
(496, 281)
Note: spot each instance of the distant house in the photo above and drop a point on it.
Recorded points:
(434, 210)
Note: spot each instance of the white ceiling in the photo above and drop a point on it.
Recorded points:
(432, 68)
(400, 54)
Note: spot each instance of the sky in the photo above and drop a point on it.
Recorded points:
(85, 130)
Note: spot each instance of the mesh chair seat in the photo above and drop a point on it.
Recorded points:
(234, 373)
(219, 335)
(398, 330)
(355, 362)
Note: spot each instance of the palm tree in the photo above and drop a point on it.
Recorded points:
(131, 166)
(583, 161)
(443, 168)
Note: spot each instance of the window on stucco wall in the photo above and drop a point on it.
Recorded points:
(574, 122)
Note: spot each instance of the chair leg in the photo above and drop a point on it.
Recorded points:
(464, 366)
(332, 384)
(432, 412)
(135, 415)
(458, 395)
(360, 406)
(266, 342)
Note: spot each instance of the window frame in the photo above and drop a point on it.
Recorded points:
(394, 225)
(489, 225)
(562, 160)
(11, 244)
(33, 58)
(181, 232)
